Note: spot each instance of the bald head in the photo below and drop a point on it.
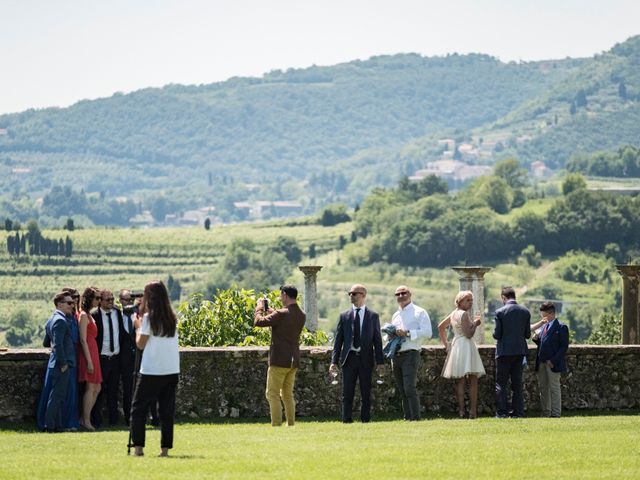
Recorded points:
(357, 294)
(403, 295)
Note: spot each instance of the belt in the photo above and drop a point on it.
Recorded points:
(355, 353)
(110, 357)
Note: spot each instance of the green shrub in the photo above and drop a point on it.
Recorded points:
(228, 320)
(609, 330)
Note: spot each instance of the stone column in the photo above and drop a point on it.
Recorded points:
(630, 311)
(310, 295)
(472, 278)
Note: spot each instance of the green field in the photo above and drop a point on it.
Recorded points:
(118, 258)
(574, 447)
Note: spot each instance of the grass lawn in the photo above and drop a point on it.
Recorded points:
(574, 447)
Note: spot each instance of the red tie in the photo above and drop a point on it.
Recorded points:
(545, 329)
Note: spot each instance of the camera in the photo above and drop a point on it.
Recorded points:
(265, 302)
(131, 309)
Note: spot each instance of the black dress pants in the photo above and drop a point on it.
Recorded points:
(110, 382)
(509, 367)
(148, 389)
(356, 370)
(126, 373)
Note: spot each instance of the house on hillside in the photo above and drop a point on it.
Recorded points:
(196, 217)
(263, 209)
(456, 173)
(144, 219)
(539, 170)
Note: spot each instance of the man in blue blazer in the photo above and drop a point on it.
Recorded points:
(511, 331)
(357, 349)
(61, 360)
(553, 341)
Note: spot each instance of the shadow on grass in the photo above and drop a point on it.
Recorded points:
(185, 457)
(29, 427)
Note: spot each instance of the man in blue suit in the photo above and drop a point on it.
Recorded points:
(553, 341)
(61, 360)
(357, 349)
(511, 331)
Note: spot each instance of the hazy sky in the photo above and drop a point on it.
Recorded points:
(56, 52)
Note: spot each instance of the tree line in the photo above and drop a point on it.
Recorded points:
(623, 162)
(32, 242)
(439, 229)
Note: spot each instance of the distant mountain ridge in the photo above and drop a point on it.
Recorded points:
(318, 134)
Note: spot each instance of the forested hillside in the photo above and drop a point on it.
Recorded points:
(596, 108)
(316, 135)
(314, 124)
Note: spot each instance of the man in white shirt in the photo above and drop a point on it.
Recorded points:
(413, 324)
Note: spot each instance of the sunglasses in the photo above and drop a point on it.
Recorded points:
(353, 294)
(401, 294)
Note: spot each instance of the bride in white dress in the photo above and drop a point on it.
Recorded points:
(463, 360)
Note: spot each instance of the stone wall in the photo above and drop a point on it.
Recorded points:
(229, 382)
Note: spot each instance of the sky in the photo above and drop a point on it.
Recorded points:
(57, 52)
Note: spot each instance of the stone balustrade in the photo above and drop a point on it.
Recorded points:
(229, 382)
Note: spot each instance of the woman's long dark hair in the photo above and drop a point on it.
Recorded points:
(86, 302)
(156, 303)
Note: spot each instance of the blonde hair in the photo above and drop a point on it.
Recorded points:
(461, 296)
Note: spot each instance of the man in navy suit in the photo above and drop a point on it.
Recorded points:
(358, 350)
(61, 360)
(511, 331)
(553, 341)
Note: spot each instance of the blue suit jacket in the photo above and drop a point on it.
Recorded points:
(62, 348)
(370, 338)
(553, 346)
(512, 329)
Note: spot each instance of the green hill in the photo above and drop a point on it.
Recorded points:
(307, 125)
(317, 135)
(596, 108)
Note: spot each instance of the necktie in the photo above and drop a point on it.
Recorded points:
(110, 332)
(356, 329)
(545, 329)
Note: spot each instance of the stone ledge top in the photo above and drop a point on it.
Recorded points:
(25, 354)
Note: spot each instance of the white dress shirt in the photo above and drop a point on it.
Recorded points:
(361, 319)
(416, 320)
(105, 347)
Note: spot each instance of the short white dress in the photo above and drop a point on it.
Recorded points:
(463, 357)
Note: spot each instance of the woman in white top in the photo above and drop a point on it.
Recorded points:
(463, 360)
(157, 337)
